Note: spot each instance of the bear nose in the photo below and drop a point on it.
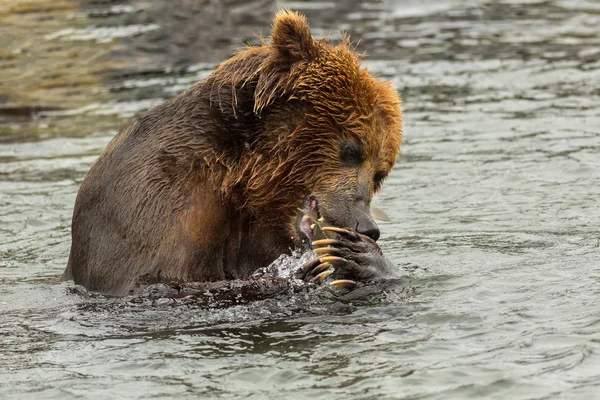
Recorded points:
(368, 228)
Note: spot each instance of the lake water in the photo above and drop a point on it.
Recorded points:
(494, 207)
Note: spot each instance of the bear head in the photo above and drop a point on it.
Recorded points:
(325, 132)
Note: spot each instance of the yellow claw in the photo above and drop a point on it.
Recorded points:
(323, 250)
(332, 259)
(334, 229)
(322, 267)
(324, 242)
(309, 265)
(345, 283)
(323, 275)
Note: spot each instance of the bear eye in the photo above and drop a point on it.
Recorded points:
(350, 154)
(379, 177)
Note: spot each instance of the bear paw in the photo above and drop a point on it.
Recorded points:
(349, 257)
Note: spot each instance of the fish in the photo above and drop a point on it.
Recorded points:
(316, 226)
(379, 214)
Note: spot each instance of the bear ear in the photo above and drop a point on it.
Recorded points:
(291, 36)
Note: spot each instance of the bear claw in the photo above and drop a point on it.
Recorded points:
(352, 235)
(309, 266)
(335, 229)
(325, 242)
(326, 250)
(322, 276)
(345, 283)
(332, 259)
(320, 268)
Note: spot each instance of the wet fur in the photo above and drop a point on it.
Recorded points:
(206, 186)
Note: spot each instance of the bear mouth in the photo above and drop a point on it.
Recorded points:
(307, 214)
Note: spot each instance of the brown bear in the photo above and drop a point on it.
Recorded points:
(208, 185)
